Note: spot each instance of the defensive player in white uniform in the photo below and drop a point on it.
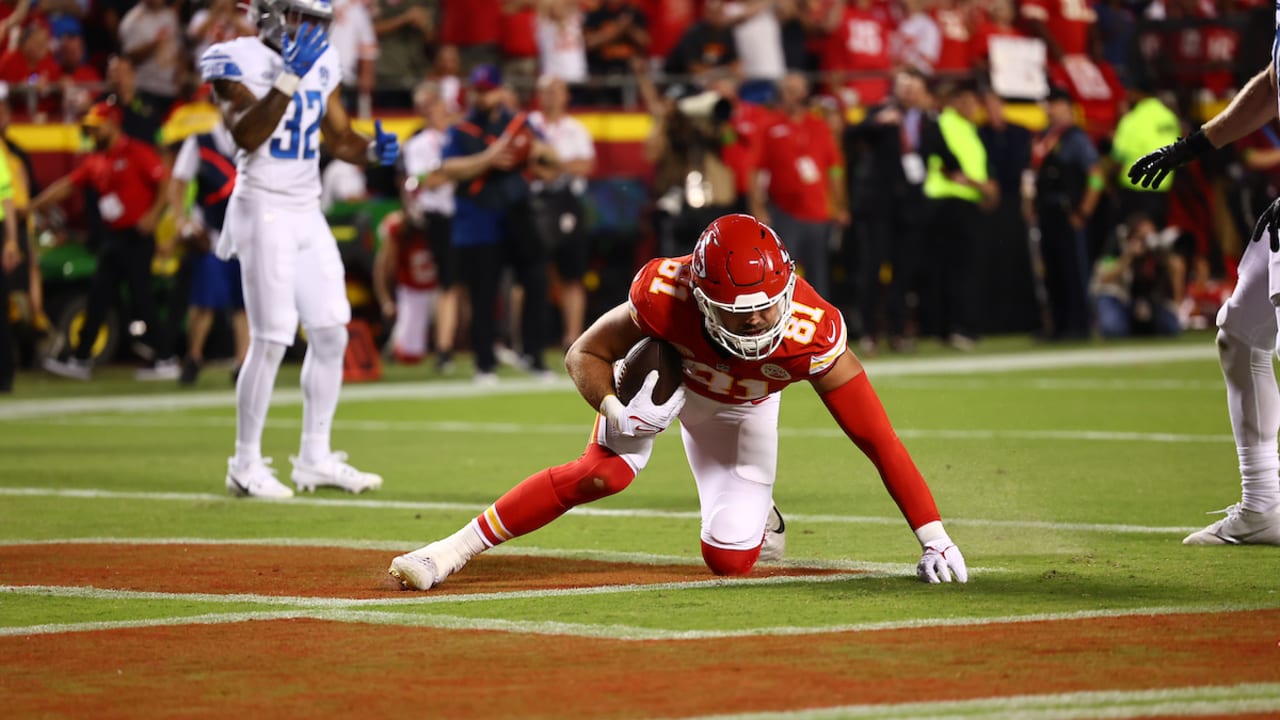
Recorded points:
(1247, 323)
(278, 92)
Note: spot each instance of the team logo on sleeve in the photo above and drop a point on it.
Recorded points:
(324, 77)
(775, 372)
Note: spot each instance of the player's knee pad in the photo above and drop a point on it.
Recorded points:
(722, 561)
(598, 473)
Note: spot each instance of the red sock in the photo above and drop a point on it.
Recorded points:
(729, 562)
(548, 494)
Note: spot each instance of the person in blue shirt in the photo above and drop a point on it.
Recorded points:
(486, 156)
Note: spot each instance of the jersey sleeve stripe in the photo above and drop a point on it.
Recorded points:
(219, 66)
(819, 364)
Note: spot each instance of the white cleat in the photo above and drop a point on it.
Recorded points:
(1240, 527)
(775, 538)
(423, 568)
(333, 471)
(72, 368)
(258, 480)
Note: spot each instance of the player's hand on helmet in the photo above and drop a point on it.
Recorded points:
(941, 562)
(642, 416)
(385, 147)
(302, 52)
(1269, 223)
(1150, 169)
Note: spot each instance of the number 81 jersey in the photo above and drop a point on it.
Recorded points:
(662, 304)
(287, 166)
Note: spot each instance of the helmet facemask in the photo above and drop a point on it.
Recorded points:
(756, 346)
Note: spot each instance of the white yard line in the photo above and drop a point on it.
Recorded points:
(1100, 357)
(1178, 702)
(350, 610)
(580, 430)
(580, 511)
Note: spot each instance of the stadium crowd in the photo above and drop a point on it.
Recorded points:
(938, 168)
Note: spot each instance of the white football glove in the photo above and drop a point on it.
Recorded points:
(642, 416)
(941, 559)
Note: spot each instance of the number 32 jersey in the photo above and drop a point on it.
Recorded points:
(662, 304)
(285, 168)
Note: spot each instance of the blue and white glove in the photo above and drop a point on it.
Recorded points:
(302, 52)
(941, 559)
(642, 416)
(385, 147)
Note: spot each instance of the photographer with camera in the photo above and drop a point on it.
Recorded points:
(694, 182)
(1137, 288)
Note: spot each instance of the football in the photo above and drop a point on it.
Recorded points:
(650, 354)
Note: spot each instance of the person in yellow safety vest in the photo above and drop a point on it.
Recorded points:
(959, 192)
(1148, 125)
(10, 258)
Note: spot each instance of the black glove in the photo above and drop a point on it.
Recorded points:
(1151, 169)
(1267, 221)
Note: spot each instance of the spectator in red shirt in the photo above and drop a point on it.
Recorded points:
(31, 66)
(800, 187)
(860, 44)
(955, 23)
(129, 179)
(519, 45)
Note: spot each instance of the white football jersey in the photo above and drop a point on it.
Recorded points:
(287, 166)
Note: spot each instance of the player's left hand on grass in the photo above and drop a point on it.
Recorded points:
(385, 147)
(1269, 223)
(941, 561)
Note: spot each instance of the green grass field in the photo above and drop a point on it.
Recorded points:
(1068, 477)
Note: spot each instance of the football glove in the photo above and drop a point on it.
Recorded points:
(642, 416)
(302, 52)
(1269, 222)
(385, 147)
(942, 560)
(1151, 169)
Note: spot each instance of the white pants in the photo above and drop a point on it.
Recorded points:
(290, 267)
(413, 322)
(733, 453)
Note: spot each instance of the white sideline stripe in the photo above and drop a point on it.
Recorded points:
(1151, 384)
(416, 599)
(348, 610)
(634, 558)
(1184, 701)
(207, 619)
(576, 430)
(462, 389)
(580, 511)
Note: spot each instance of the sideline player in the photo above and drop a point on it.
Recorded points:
(1247, 325)
(729, 308)
(404, 263)
(278, 92)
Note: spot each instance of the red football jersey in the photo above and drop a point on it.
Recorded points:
(662, 304)
(415, 265)
(860, 43)
(1068, 22)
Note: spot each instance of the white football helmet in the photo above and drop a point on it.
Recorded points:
(277, 18)
(740, 266)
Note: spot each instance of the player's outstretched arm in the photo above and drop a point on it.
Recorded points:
(589, 360)
(850, 399)
(1249, 110)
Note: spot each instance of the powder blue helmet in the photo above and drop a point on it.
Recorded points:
(277, 18)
